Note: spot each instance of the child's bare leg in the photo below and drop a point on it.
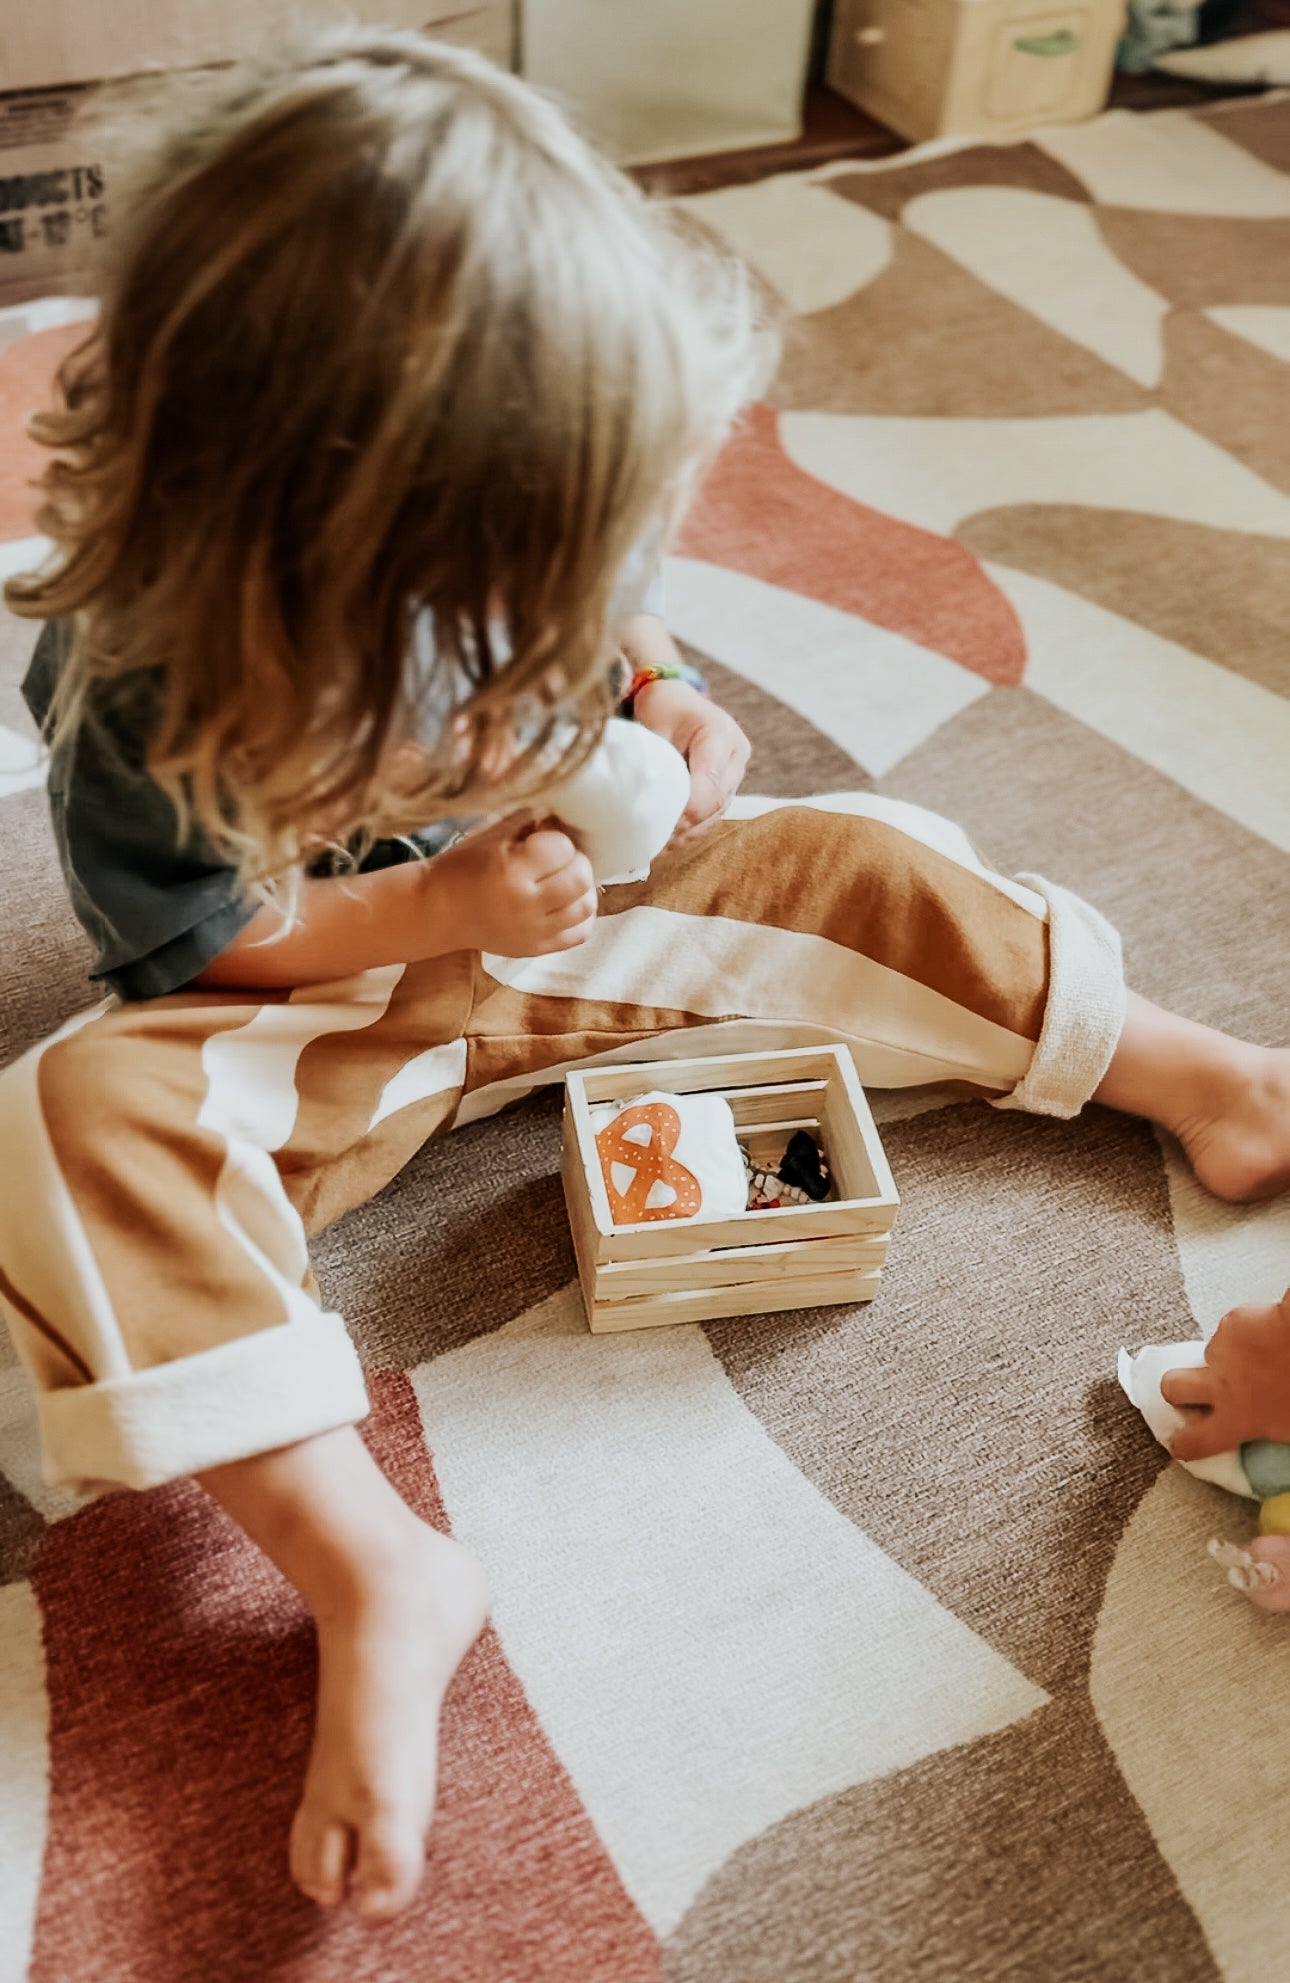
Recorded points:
(397, 1606)
(1226, 1101)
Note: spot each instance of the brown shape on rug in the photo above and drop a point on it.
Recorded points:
(1020, 1858)
(1261, 128)
(27, 368)
(21, 1529)
(47, 958)
(889, 188)
(180, 1676)
(1221, 593)
(469, 1235)
(1199, 261)
(761, 514)
(881, 351)
(1227, 389)
(968, 1422)
(1202, 903)
(790, 757)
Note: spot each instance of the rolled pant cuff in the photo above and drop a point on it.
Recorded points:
(244, 1397)
(1084, 1017)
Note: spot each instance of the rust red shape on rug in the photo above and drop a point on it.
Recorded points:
(180, 1673)
(27, 368)
(761, 514)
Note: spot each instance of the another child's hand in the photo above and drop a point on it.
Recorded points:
(710, 741)
(1242, 1390)
(516, 889)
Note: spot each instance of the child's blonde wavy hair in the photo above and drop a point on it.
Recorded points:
(382, 344)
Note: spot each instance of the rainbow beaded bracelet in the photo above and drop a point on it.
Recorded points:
(667, 671)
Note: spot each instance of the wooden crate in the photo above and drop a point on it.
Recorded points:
(693, 1270)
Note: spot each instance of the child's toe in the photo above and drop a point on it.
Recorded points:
(321, 1851)
(391, 1861)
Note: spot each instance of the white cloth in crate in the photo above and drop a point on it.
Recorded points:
(670, 1157)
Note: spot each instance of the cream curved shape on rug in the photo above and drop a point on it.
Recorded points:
(1265, 325)
(1224, 739)
(22, 763)
(936, 473)
(44, 313)
(1228, 1253)
(1047, 256)
(22, 554)
(1167, 163)
(812, 247)
(874, 692)
(708, 1642)
(24, 1778)
(1190, 1685)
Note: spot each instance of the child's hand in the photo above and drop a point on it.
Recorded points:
(1242, 1390)
(515, 889)
(710, 741)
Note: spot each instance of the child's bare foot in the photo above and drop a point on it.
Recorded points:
(1238, 1136)
(398, 1606)
(386, 1653)
(1228, 1103)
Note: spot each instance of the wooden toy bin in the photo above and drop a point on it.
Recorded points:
(693, 1270)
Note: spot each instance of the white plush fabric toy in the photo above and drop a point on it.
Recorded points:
(623, 804)
(1140, 1377)
(670, 1157)
(1260, 1471)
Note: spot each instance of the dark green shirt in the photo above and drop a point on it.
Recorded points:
(157, 908)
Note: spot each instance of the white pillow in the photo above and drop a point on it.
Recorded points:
(1251, 58)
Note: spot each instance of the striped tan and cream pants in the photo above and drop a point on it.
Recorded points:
(166, 1161)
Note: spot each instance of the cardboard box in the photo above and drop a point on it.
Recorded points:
(53, 194)
(54, 185)
(974, 68)
(44, 42)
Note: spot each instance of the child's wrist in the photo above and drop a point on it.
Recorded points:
(435, 919)
(663, 671)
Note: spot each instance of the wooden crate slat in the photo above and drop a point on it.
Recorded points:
(710, 1304)
(778, 1102)
(828, 1220)
(727, 1072)
(733, 1266)
(580, 1221)
(862, 1115)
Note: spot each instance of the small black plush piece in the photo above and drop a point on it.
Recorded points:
(802, 1165)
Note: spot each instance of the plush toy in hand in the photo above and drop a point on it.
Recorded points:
(1238, 1381)
(625, 802)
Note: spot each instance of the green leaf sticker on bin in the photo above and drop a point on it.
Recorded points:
(1063, 41)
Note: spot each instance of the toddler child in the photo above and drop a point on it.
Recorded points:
(356, 490)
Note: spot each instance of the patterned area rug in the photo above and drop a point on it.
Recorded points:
(840, 1645)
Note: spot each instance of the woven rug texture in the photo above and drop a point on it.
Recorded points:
(872, 1646)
